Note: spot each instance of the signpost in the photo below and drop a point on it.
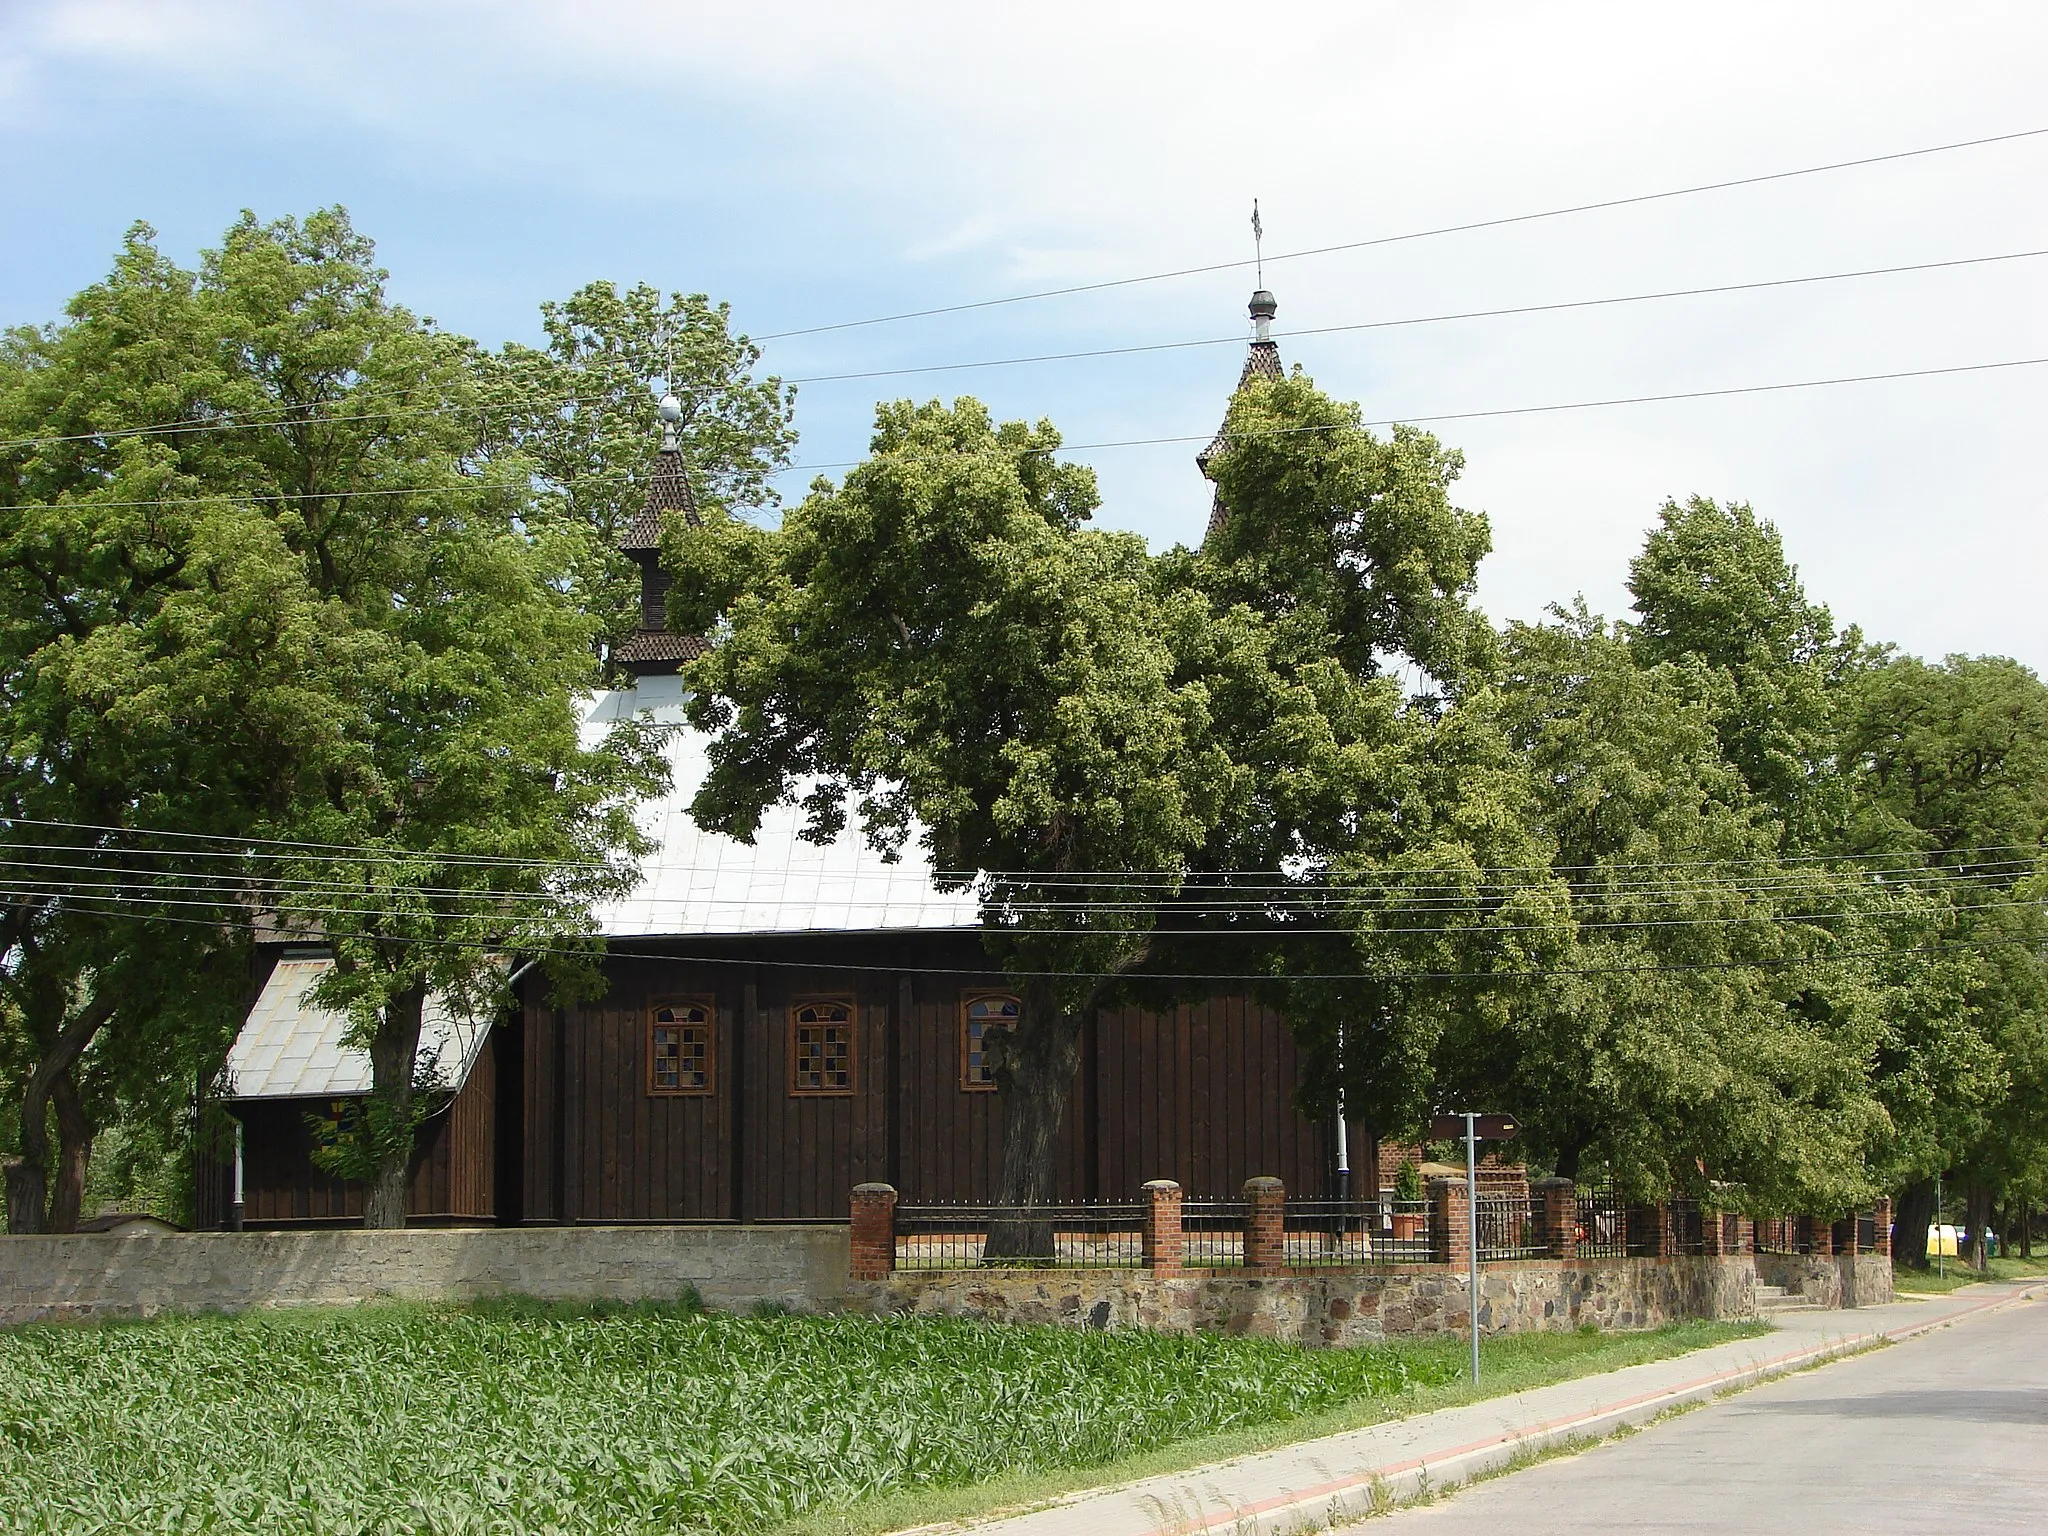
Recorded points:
(1474, 1128)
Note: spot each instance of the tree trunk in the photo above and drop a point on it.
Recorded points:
(1035, 1074)
(74, 1154)
(28, 1176)
(1978, 1211)
(388, 1115)
(1913, 1215)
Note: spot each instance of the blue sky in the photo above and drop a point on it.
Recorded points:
(815, 163)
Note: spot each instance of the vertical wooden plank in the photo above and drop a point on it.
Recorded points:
(753, 1065)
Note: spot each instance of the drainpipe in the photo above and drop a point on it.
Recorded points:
(1343, 1130)
(235, 1206)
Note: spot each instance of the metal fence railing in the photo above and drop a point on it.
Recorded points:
(1212, 1233)
(1506, 1228)
(1357, 1232)
(1602, 1230)
(1784, 1234)
(1107, 1236)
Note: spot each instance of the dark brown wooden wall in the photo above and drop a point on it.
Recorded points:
(451, 1181)
(1203, 1094)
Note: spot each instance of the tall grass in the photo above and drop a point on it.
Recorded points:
(518, 1418)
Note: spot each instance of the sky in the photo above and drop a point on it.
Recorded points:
(821, 163)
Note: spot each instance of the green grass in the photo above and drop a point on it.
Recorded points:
(1927, 1282)
(516, 1417)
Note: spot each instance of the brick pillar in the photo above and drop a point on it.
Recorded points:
(1823, 1237)
(1450, 1221)
(1883, 1212)
(874, 1231)
(1851, 1236)
(1745, 1235)
(1710, 1234)
(1165, 1250)
(1265, 1225)
(1557, 1216)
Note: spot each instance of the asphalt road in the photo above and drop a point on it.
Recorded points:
(1948, 1431)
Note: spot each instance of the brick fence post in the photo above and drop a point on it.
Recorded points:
(1450, 1223)
(1711, 1234)
(1881, 1213)
(1745, 1235)
(1823, 1237)
(1265, 1225)
(1851, 1236)
(874, 1231)
(1557, 1216)
(1165, 1250)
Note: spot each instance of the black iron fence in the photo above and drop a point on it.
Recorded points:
(1602, 1228)
(1107, 1236)
(1357, 1232)
(1212, 1232)
(1784, 1234)
(1505, 1226)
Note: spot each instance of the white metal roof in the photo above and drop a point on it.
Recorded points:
(290, 1050)
(698, 883)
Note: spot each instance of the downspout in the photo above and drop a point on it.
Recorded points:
(235, 1205)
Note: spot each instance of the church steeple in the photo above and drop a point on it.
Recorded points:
(1263, 362)
(651, 649)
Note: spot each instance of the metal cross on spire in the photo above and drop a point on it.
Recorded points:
(1258, 244)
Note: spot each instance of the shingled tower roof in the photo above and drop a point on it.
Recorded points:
(1262, 362)
(652, 648)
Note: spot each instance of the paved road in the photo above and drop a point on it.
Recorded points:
(1945, 1431)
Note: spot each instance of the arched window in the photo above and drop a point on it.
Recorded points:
(981, 1012)
(821, 1046)
(681, 1045)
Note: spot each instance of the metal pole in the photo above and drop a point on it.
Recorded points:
(1940, 1247)
(1472, 1228)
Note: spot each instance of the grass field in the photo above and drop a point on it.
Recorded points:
(516, 1417)
(1960, 1274)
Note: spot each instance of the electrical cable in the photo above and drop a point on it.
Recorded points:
(600, 948)
(1027, 876)
(253, 423)
(1419, 234)
(1378, 325)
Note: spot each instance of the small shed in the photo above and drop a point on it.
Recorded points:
(291, 1079)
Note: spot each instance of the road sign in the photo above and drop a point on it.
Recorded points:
(1487, 1127)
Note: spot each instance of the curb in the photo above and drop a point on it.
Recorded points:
(1373, 1489)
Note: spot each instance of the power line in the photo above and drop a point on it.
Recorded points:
(260, 422)
(1420, 234)
(1309, 897)
(1208, 435)
(1377, 325)
(601, 948)
(240, 845)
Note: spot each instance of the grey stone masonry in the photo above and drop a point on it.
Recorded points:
(91, 1277)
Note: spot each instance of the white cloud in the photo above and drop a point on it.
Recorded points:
(824, 161)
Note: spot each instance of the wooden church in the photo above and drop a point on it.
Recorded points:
(783, 1021)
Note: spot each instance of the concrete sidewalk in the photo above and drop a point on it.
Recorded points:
(1346, 1476)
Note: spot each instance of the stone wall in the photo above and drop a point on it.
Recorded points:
(1831, 1280)
(1337, 1307)
(94, 1277)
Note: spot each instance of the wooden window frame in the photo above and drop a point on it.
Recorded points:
(967, 1000)
(852, 1007)
(710, 1007)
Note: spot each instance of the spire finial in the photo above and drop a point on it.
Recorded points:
(1258, 244)
(671, 410)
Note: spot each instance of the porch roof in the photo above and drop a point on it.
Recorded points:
(288, 1049)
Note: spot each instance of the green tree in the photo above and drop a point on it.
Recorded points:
(1949, 763)
(273, 586)
(943, 643)
(577, 413)
(1713, 588)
